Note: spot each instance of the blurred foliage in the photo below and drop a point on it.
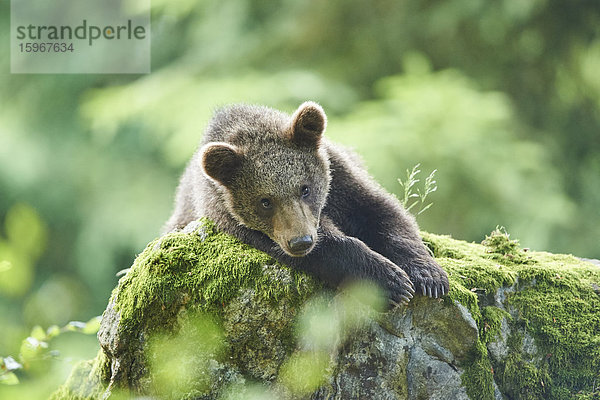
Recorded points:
(502, 98)
(25, 241)
(180, 363)
(323, 325)
(39, 361)
(486, 174)
(188, 363)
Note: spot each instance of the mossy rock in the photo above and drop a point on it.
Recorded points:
(201, 315)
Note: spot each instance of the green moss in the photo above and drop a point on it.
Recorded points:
(555, 299)
(591, 395)
(478, 378)
(491, 322)
(207, 268)
(499, 242)
(562, 312)
(521, 378)
(501, 247)
(472, 273)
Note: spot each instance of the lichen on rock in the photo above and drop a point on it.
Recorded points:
(201, 315)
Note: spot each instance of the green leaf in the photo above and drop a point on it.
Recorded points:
(26, 230)
(75, 326)
(32, 348)
(92, 326)
(425, 208)
(17, 270)
(9, 378)
(53, 331)
(38, 333)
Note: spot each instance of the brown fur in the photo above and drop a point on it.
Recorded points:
(275, 183)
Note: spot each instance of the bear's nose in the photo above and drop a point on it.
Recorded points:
(300, 243)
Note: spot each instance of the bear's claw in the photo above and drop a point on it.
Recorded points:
(431, 280)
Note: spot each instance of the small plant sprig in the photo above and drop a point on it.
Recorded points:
(413, 192)
(36, 348)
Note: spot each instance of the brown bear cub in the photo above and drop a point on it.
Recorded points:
(275, 183)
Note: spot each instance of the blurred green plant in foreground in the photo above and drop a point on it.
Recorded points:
(181, 362)
(35, 349)
(25, 241)
(42, 363)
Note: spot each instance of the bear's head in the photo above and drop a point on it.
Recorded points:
(273, 172)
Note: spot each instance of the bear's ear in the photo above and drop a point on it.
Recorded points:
(308, 124)
(220, 161)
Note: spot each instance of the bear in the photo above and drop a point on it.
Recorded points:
(273, 181)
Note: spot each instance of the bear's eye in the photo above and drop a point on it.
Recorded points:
(266, 203)
(305, 191)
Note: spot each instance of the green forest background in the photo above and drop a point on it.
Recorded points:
(501, 97)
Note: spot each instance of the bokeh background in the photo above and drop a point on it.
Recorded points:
(502, 98)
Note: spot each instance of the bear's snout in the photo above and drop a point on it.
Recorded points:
(300, 244)
(295, 228)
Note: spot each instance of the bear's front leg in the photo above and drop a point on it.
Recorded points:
(376, 218)
(337, 259)
(362, 209)
(402, 245)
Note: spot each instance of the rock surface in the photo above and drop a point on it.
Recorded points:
(200, 315)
